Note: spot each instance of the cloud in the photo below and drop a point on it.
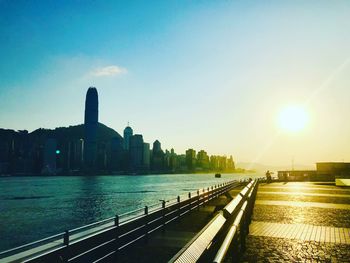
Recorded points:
(109, 71)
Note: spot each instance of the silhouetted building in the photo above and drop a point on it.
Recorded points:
(167, 160)
(90, 125)
(116, 156)
(202, 160)
(191, 159)
(136, 152)
(102, 156)
(4, 157)
(298, 175)
(173, 161)
(50, 153)
(146, 156)
(222, 163)
(79, 153)
(230, 163)
(332, 170)
(214, 163)
(157, 159)
(156, 146)
(128, 132)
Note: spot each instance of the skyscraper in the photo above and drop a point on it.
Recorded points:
(146, 156)
(191, 159)
(156, 147)
(136, 152)
(49, 166)
(128, 132)
(157, 160)
(90, 125)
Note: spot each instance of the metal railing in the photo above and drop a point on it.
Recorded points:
(201, 247)
(105, 238)
(235, 240)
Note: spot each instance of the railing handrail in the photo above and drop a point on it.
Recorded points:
(186, 252)
(32, 243)
(232, 232)
(92, 224)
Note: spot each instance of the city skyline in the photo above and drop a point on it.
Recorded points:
(95, 149)
(205, 75)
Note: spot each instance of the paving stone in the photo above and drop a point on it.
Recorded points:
(298, 251)
(302, 215)
(302, 198)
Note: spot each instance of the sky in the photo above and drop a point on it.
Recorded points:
(212, 75)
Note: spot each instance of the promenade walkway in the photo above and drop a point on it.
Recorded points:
(161, 246)
(300, 222)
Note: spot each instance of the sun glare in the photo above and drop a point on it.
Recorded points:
(293, 118)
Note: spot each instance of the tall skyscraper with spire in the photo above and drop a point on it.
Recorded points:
(128, 132)
(90, 125)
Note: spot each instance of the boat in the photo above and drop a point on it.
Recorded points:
(218, 175)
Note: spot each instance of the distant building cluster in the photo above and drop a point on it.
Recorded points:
(94, 148)
(324, 171)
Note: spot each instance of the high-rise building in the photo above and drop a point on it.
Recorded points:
(90, 125)
(230, 163)
(202, 159)
(128, 132)
(173, 160)
(191, 159)
(116, 155)
(136, 152)
(157, 160)
(50, 152)
(156, 146)
(146, 156)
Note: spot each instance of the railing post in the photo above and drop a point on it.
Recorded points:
(189, 195)
(235, 250)
(242, 234)
(116, 220)
(163, 207)
(198, 199)
(116, 224)
(249, 214)
(65, 255)
(66, 238)
(146, 223)
(179, 209)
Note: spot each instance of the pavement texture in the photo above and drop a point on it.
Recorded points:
(301, 215)
(272, 249)
(269, 249)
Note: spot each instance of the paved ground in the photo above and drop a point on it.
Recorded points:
(302, 215)
(270, 249)
(292, 204)
(323, 234)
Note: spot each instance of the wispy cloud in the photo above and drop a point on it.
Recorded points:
(109, 71)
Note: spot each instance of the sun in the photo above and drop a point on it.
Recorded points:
(293, 118)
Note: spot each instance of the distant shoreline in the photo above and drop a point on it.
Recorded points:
(126, 174)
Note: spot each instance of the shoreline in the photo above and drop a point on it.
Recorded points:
(123, 174)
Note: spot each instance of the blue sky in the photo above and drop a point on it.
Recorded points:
(210, 75)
